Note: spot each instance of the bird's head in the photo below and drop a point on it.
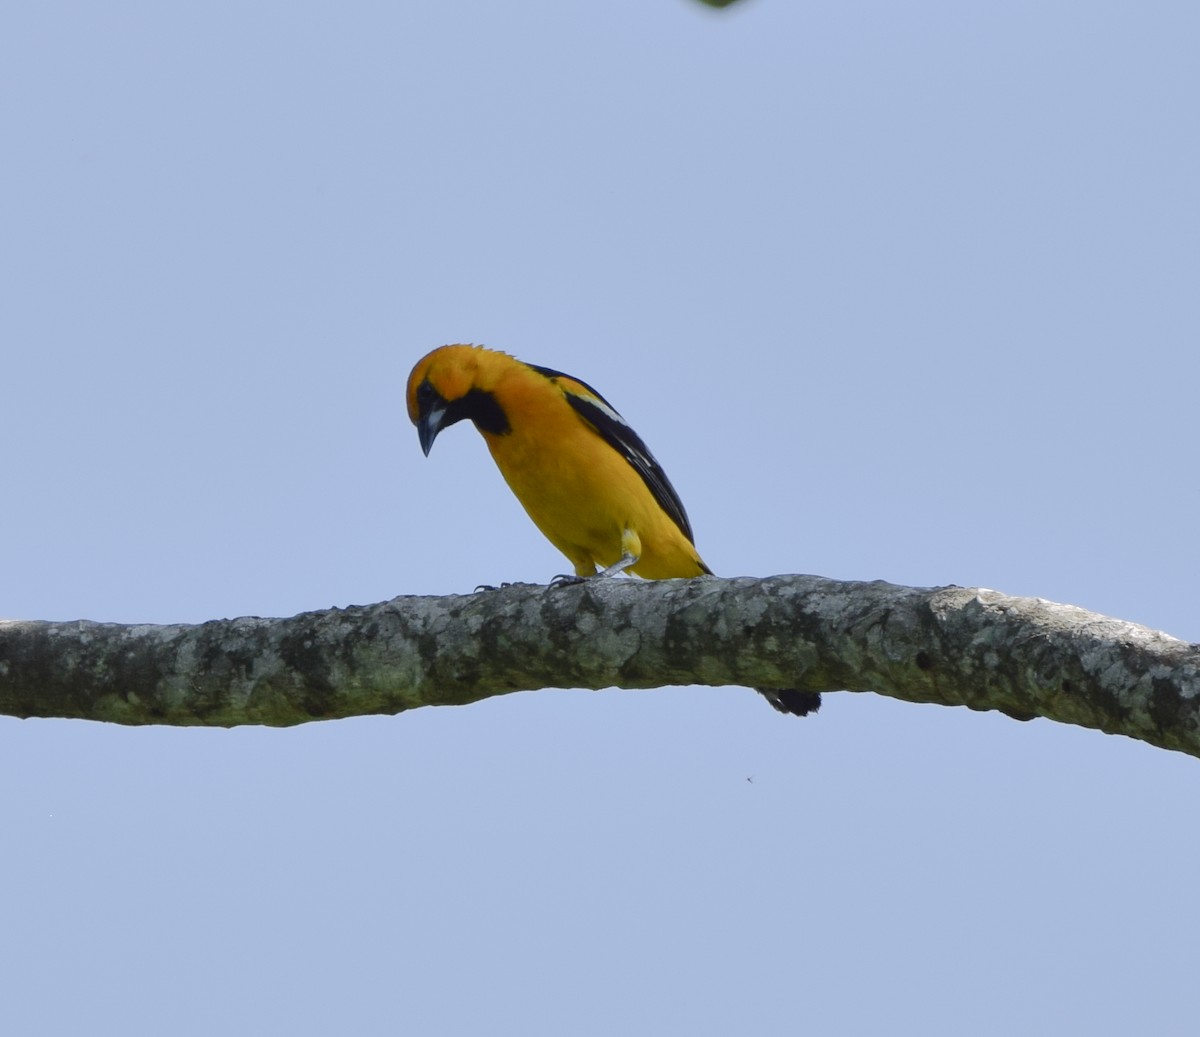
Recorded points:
(453, 383)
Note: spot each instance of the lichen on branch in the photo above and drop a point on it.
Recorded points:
(951, 645)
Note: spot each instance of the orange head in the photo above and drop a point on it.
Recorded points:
(453, 383)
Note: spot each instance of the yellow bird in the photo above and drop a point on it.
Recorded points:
(587, 480)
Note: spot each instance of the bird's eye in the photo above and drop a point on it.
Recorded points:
(426, 394)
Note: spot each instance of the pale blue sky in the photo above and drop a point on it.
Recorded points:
(895, 291)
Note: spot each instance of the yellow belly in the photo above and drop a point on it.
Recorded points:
(591, 504)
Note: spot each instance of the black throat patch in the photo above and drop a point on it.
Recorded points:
(482, 408)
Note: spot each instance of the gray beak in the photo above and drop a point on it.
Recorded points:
(429, 426)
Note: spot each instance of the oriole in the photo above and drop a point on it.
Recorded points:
(587, 480)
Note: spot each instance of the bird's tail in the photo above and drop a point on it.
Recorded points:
(791, 700)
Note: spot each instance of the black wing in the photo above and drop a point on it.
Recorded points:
(603, 417)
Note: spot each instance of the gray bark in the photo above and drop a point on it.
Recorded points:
(951, 645)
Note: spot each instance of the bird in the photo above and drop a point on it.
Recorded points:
(585, 477)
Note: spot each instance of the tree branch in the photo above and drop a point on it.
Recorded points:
(950, 645)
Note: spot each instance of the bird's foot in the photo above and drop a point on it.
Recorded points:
(619, 566)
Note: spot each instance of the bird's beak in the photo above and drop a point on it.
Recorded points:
(430, 425)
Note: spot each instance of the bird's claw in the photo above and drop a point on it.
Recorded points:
(566, 580)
